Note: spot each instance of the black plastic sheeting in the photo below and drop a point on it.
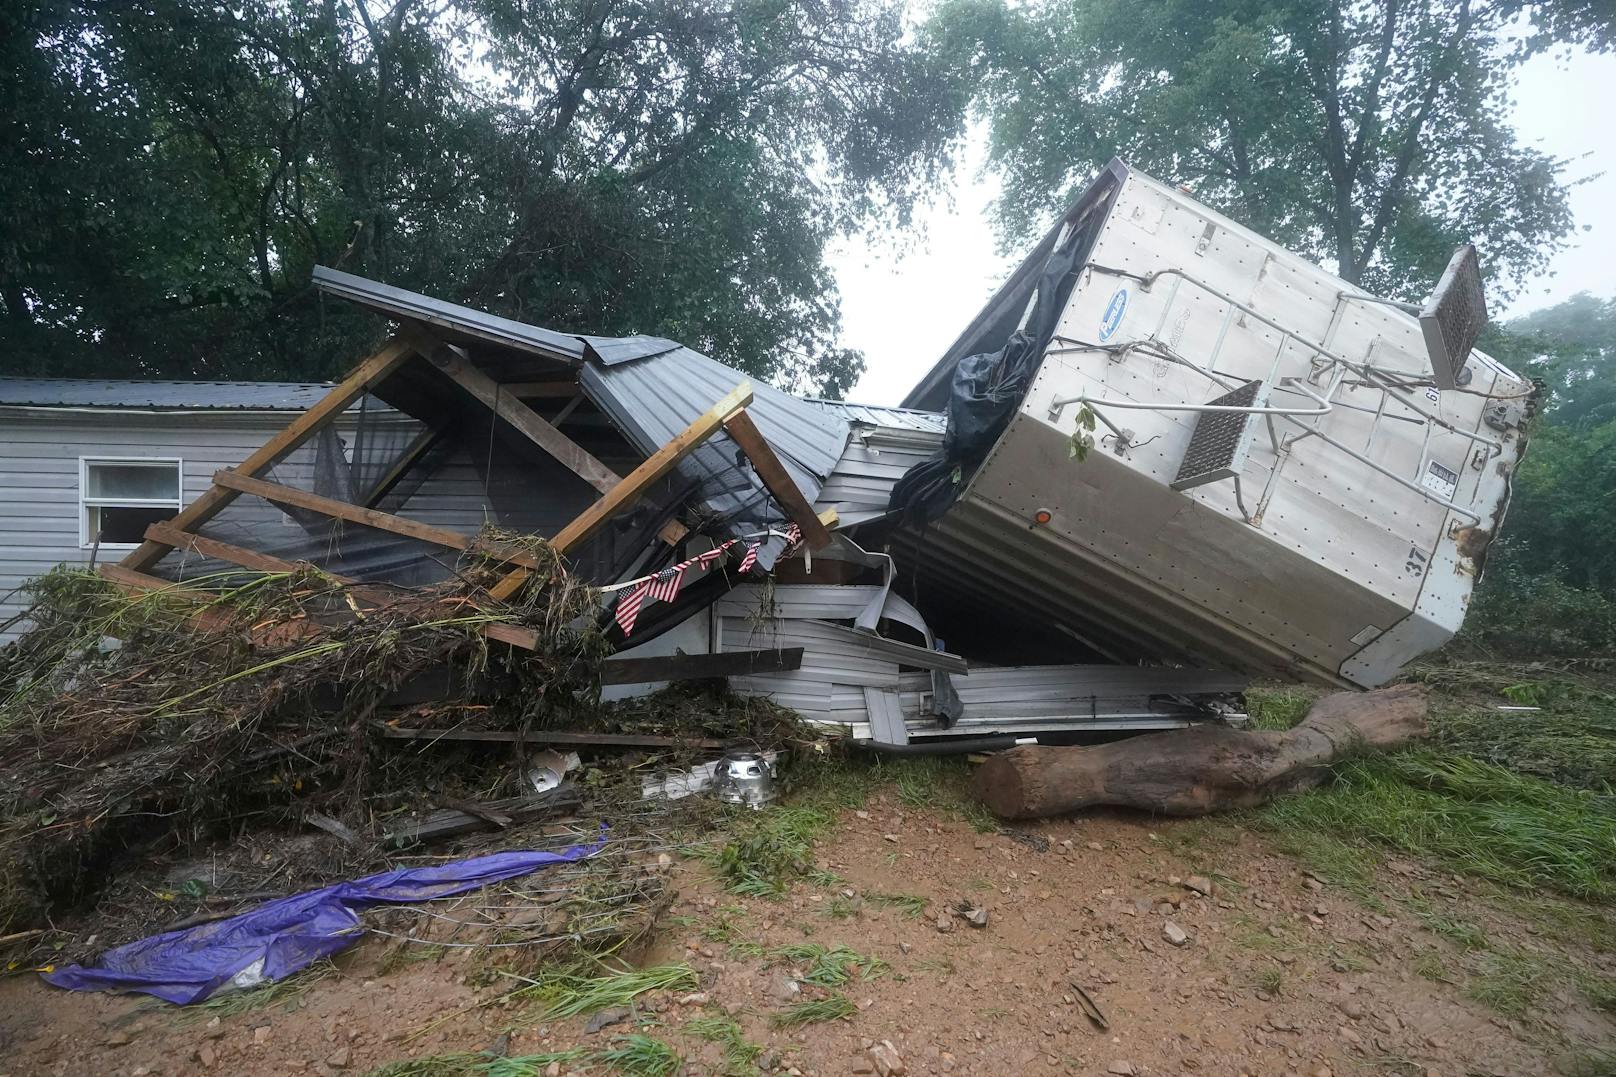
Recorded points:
(987, 388)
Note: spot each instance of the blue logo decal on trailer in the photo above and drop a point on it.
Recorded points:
(1114, 311)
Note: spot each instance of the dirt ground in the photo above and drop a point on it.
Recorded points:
(1281, 972)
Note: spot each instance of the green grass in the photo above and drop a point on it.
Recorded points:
(477, 1064)
(639, 1055)
(830, 967)
(1472, 817)
(833, 1008)
(910, 905)
(571, 992)
(1271, 980)
(940, 965)
(286, 992)
(768, 849)
(739, 1052)
(1510, 982)
(1462, 933)
(1430, 966)
(1277, 706)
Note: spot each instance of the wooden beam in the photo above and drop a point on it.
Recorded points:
(777, 479)
(454, 540)
(691, 667)
(423, 444)
(551, 736)
(375, 595)
(540, 389)
(628, 491)
(521, 417)
(171, 536)
(203, 618)
(282, 445)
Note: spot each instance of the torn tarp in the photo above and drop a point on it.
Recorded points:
(282, 936)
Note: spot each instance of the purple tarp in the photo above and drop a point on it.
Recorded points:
(280, 937)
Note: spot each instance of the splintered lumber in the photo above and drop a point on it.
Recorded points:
(515, 635)
(552, 736)
(690, 667)
(776, 479)
(282, 445)
(384, 521)
(637, 481)
(1203, 769)
(448, 822)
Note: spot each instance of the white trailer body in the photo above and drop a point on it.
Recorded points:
(1336, 536)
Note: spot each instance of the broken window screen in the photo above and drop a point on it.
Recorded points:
(120, 498)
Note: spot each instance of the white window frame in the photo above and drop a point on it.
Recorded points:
(86, 502)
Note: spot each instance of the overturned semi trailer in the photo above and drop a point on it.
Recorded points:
(1174, 441)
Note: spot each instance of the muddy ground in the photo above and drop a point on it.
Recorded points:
(1281, 972)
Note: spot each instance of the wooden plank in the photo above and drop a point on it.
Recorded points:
(423, 444)
(385, 521)
(530, 424)
(282, 445)
(777, 479)
(515, 635)
(521, 417)
(551, 736)
(486, 815)
(690, 667)
(626, 492)
(171, 536)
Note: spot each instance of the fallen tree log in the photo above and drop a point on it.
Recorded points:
(1204, 769)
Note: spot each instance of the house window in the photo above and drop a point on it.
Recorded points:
(120, 498)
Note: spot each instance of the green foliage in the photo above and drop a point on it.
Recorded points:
(570, 992)
(1372, 136)
(175, 169)
(767, 849)
(739, 1053)
(830, 966)
(639, 1055)
(1550, 584)
(1474, 817)
(833, 1008)
(1278, 706)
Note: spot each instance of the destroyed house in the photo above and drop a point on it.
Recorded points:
(1167, 456)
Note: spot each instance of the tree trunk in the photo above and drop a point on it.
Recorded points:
(1204, 769)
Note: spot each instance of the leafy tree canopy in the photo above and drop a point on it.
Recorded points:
(1371, 136)
(174, 168)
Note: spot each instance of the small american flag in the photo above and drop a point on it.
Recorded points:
(664, 586)
(628, 606)
(750, 559)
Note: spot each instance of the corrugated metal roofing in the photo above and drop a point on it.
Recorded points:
(655, 398)
(460, 321)
(175, 395)
(931, 422)
(613, 350)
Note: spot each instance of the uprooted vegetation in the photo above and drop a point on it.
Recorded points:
(141, 726)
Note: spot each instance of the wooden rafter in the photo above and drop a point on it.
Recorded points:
(529, 423)
(277, 448)
(629, 490)
(375, 595)
(385, 521)
(777, 479)
(424, 442)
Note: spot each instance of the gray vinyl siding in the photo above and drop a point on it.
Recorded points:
(39, 477)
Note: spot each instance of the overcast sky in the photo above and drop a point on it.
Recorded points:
(904, 307)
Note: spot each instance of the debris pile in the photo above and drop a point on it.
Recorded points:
(134, 723)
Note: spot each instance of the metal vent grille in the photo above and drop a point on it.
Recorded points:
(1454, 317)
(1222, 439)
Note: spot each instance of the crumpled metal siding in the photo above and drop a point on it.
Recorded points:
(653, 399)
(930, 422)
